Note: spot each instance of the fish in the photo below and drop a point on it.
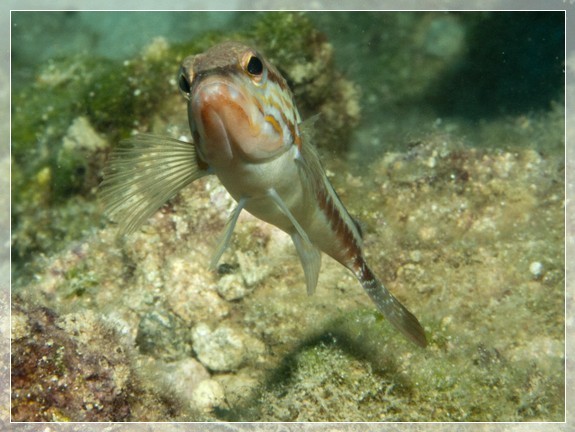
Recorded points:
(247, 131)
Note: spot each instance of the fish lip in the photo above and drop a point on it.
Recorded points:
(211, 88)
(210, 99)
(203, 81)
(219, 99)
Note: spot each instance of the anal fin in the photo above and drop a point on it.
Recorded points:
(310, 258)
(309, 255)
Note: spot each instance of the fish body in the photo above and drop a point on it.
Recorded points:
(247, 131)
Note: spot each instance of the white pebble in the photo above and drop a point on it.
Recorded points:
(536, 268)
(231, 287)
(209, 394)
(220, 350)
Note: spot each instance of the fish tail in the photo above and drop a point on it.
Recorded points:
(390, 307)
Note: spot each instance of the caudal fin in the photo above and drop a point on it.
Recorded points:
(391, 308)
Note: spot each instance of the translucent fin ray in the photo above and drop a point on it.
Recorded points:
(228, 230)
(310, 258)
(142, 174)
(391, 308)
(286, 211)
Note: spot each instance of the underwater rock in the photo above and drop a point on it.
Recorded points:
(239, 385)
(536, 269)
(243, 280)
(192, 295)
(208, 395)
(80, 158)
(253, 271)
(231, 287)
(220, 350)
(61, 371)
(183, 377)
(162, 336)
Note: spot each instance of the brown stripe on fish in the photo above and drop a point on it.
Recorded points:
(338, 224)
(281, 91)
(297, 140)
(281, 101)
(361, 269)
(290, 125)
(276, 122)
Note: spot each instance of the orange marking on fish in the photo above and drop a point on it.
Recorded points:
(271, 120)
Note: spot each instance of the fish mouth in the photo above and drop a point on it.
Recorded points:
(217, 113)
(230, 122)
(216, 91)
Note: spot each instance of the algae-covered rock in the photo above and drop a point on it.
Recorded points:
(151, 338)
(77, 367)
(325, 384)
(59, 372)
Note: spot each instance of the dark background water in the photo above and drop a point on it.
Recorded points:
(514, 62)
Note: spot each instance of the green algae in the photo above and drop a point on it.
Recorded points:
(327, 384)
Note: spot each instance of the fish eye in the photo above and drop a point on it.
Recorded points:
(255, 66)
(184, 84)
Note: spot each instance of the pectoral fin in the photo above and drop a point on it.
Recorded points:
(310, 258)
(142, 174)
(228, 230)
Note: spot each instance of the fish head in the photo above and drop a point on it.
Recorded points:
(240, 108)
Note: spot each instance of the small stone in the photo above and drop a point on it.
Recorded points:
(238, 386)
(82, 135)
(185, 376)
(192, 295)
(220, 350)
(231, 287)
(208, 395)
(20, 326)
(536, 268)
(252, 271)
(161, 336)
(415, 255)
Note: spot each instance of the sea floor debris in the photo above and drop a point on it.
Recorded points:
(455, 231)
